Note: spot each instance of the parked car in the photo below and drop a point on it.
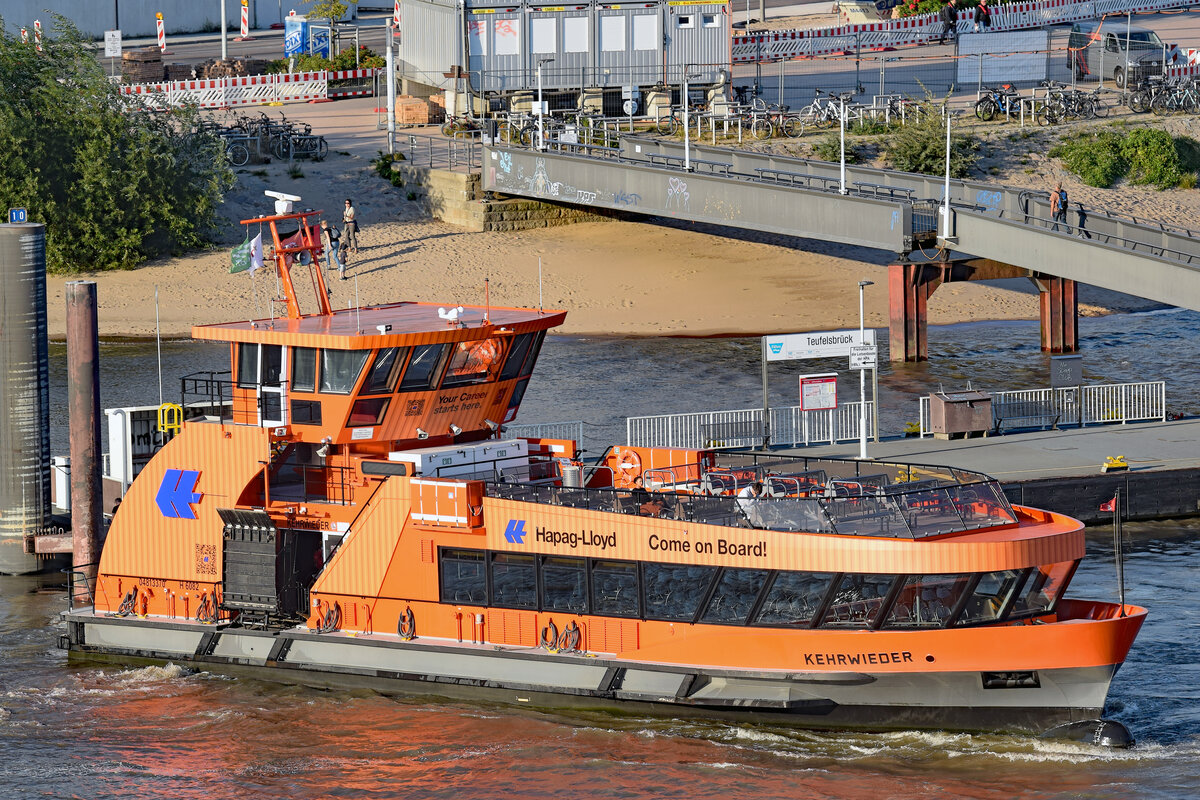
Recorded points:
(1128, 55)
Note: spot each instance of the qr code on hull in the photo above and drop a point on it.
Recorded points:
(206, 559)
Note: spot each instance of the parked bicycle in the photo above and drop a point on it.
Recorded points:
(1179, 95)
(1004, 100)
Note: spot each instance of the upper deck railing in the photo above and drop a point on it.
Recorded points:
(898, 501)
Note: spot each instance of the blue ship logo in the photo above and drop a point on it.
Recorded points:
(515, 532)
(177, 492)
(776, 347)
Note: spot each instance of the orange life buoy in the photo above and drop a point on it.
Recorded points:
(629, 466)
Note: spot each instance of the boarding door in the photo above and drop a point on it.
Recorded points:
(272, 393)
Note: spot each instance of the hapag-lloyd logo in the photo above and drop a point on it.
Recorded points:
(577, 539)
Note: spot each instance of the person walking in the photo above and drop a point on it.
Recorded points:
(983, 17)
(350, 227)
(332, 240)
(1081, 230)
(1058, 209)
(949, 18)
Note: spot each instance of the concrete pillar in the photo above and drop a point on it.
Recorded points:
(1060, 314)
(83, 403)
(909, 288)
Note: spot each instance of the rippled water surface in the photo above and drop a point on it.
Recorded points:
(84, 730)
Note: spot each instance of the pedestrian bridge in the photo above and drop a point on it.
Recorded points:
(994, 231)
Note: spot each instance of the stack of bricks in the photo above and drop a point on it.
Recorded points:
(143, 65)
(179, 72)
(419, 111)
(233, 67)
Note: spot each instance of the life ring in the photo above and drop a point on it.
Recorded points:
(569, 641)
(407, 627)
(549, 636)
(629, 466)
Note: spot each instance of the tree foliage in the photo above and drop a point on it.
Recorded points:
(114, 183)
(920, 146)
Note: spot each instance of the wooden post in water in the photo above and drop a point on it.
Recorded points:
(83, 404)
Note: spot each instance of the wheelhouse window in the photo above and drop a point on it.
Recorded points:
(794, 598)
(675, 591)
(340, 370)
(564, 584)
(463, 577)
(858, 600)
(247, 372)
(516, 356)
(514, 581)
(734, 597)
(304, 369)
(990, 596)
(385, 369)
(367, 411)
(422, 369)
(472, 362)
(615, 588)
(926, 601)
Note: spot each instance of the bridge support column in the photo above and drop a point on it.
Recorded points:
(1060, 314)
(909, 288)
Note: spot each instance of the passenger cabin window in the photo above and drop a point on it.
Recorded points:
(422, 368)
(675, 591)
(259, 365)
(471, 362)
(385, 369)
(564, 584)
(340, 370)
(734, 597)
(858, 600)
(794, 598)
(615, 588)
(367, 411)
(463, 577)
(1042, 589)
(514, 581)
(926, 601)
(304, 369)
(247, 371)
(991, 596)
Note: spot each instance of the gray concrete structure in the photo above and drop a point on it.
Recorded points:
(801, 197)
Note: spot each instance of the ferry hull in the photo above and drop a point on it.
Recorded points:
(918, 700)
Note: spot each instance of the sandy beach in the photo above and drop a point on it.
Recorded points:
(614, 278)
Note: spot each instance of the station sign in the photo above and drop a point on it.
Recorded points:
(822, 344)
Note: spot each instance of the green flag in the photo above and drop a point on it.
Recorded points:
(241, 256)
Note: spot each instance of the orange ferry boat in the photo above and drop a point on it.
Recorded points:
(343, 509)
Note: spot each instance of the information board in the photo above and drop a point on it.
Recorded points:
(818, 392)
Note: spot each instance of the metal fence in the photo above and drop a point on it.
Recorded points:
(790, 426)
(463, 150)
(1084, 405)
(546, 430)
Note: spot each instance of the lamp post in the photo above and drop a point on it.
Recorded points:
(842, 123)
(946, 195)
(541, 109)
(862, 380)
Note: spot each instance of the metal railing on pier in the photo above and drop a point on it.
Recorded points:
(463, 151)
(790, 426)
(1085, 405)
(546, 430)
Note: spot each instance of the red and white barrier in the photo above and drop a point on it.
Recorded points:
(24, 36)
(245, 37)
(781, 45)
(37, 35)
(296, 87)
(396, 20)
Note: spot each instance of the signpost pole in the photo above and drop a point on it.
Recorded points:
(862, 381)
(766, 417)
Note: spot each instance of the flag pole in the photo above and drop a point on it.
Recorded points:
(1117, 544)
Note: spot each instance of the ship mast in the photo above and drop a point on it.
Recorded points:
(301, 247)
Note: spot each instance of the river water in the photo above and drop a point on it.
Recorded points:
(101, 731)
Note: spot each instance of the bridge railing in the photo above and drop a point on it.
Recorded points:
(464, 150)
(1086, 405)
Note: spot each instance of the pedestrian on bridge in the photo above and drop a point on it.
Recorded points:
(1058, 209)
(1082, 231)
(983, 17)
(949, 18)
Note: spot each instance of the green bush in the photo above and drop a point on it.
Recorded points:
(920, 146)
(829, 148)
(1095, 156)
(115, 183)
(1152, 158)
(367, 59)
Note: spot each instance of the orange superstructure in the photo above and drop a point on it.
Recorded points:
(345, 504)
